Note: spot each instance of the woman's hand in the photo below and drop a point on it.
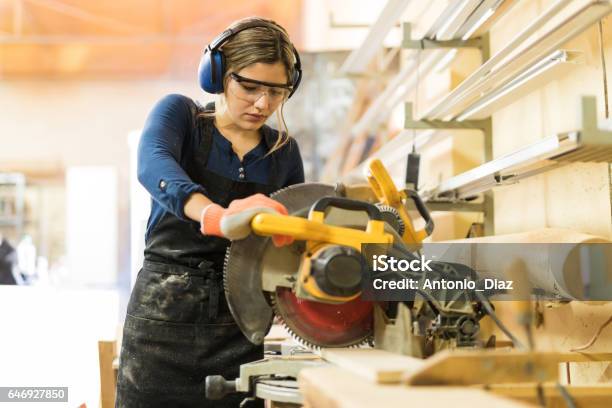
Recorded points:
(234, 222)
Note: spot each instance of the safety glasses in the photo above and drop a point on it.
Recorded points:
(250, 90)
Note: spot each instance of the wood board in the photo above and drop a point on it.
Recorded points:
(334, 387)
(377, 366)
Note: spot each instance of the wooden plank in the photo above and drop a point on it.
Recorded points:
(378, 366)
(449, 367)
(107, 351)
(459, 367)
(334, 387)
(592, 396)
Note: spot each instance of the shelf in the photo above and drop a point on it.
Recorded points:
(405, 81)
(519, 55)
(454, 17)
(535, 76)
(586, 145)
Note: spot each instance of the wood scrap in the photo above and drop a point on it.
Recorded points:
(459, 367)
(334, 387)
(378, 366)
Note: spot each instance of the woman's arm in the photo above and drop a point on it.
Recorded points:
(159, 155)
(194, 206)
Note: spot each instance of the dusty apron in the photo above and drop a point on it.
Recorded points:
(178, 327)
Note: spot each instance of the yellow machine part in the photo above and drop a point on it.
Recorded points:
(309, 284)
(314, 230)
(388, 194)
(319, 235)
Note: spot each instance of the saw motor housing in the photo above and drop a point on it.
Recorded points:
(333, 273)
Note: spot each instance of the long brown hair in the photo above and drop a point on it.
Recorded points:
(267, 44)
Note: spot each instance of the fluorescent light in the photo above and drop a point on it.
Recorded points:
(392, 94)
(545, 64)
(543, 155)
(589, 144)
(520, 52)
(519, 164)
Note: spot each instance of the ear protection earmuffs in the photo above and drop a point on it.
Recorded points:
(212, 64)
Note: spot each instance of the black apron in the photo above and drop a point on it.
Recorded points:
(178, 327)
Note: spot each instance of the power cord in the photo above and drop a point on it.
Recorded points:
(595, 336)
(491, 312)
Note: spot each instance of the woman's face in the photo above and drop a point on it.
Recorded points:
(250, 104)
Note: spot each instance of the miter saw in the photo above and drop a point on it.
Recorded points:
(314, 286)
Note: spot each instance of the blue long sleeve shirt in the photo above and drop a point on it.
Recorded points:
(166, 136)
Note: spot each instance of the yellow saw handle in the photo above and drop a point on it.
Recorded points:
(314, 228)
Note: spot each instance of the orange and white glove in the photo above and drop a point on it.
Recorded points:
(234, 222)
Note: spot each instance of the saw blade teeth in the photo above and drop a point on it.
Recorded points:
(293, 187)
(294, 336)
(225, 266)
(280, 190)
(303, 342)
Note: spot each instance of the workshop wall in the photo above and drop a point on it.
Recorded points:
(577, 196)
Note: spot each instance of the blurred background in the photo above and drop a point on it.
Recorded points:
(78, 78)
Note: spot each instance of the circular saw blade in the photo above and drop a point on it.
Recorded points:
(242, 273)
(316, 324)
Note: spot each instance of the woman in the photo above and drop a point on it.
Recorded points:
(208, 172)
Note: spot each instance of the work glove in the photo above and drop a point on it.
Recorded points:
(234, 222)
